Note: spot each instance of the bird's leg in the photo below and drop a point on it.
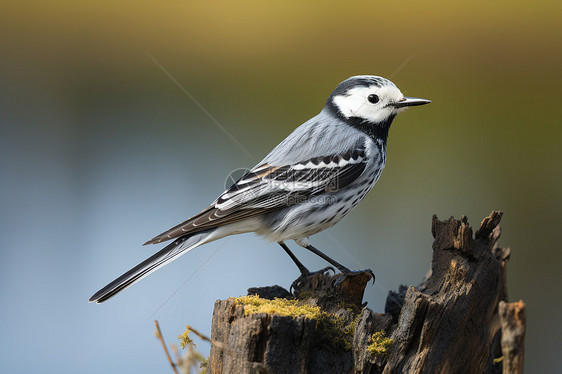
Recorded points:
(339, 266)
(317, 252)
(302, 268)
(304, 271)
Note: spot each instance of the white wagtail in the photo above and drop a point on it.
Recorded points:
(307, 184)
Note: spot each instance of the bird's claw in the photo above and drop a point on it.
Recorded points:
(296, 284)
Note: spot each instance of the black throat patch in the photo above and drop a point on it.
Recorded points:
(375, 130)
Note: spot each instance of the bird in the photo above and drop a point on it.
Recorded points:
(306, 184)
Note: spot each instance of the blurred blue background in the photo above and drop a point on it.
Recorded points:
(100, 151)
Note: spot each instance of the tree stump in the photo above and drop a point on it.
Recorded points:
(455, 321)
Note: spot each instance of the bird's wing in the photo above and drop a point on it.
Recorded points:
(269, 187)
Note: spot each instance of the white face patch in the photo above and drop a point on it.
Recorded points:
(354, 103)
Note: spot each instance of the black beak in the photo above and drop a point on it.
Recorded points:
(411, 101)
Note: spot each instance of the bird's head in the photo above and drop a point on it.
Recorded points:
(369, 99)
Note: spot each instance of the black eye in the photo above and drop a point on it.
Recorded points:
(373, 99)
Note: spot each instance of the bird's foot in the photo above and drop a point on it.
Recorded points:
(347, 286)
(306, 274)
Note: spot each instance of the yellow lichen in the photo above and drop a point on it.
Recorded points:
(337, 331)
(354, 309)
(353, 325)
(380, 344)
(332, 330)
(291, 308)
(498, 360)
(185, 340)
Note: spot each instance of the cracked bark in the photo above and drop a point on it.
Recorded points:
(457, 320)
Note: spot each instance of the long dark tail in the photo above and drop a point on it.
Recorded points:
(167, 254)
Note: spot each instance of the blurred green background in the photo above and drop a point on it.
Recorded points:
(100, 150)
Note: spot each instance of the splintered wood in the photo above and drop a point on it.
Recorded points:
(457, 320)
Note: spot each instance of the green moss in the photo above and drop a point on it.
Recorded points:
(185, 340)
(350, 308)
(333, 331)
(353, 325)
(292, 308)
(380, 344)
(337, 331)
(192, 358)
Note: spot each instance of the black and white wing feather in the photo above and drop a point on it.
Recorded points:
(269, 187)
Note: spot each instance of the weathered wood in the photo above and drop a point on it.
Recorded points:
(284, 344)
(513, 321)
(447, 324)
(450, 322)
